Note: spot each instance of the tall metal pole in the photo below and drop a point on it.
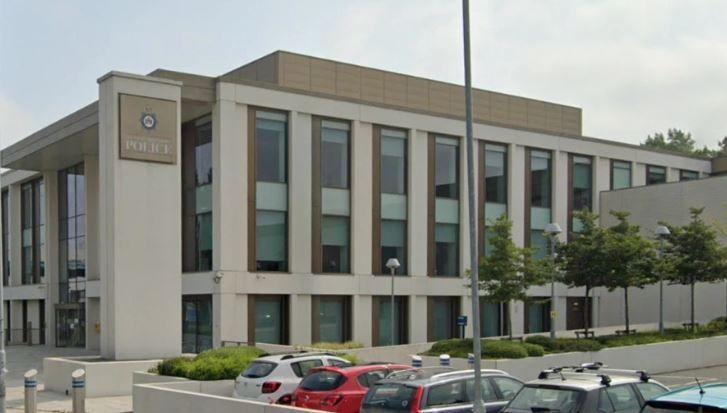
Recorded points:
(661, 287)
(478, 406)
(3, 372)
(552, 288)
(391, 340)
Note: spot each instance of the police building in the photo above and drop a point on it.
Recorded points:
(181, 211)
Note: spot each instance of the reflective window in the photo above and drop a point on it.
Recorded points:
(72, 235)
(393, 162)
(32, 204)
(393, 244)
(447, 168)
(271, 197)
(685, 175)
(393, 216)
(508, 387)
(495, 187)
(582, 180)
(655, 174)
(446, 238)
(620, 175)
(196, 323)
(332, 319)
(270, 319)
(334, 154)
(541, 175)
(493, 318)
(6, 237)
(537, 315)
(443, 312)
(334, 242)
(197, 195)
(383, 320)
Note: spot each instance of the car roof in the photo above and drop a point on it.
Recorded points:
(432, 375)
(715, 395)
(277, 358)
(581, 381)
(362, 368)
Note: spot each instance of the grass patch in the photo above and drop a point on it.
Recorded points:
(217, 364)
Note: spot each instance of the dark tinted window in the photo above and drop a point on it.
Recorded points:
(370, 378)
(447, 393)
(390, 396)
(650, 390)
(258, 369)
(488, 393)
(619, 399)
(508, 387)
(301, 368)
(554, 399)
(447, 168)
(322, 381)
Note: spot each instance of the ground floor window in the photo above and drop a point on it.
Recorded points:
(381, 333)
(196, 323)
(493, 318)
(268, 319)
(331, 319)
(537, 315)
(71, 325)
(442, 315)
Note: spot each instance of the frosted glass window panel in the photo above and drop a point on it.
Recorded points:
(271, 149)
(331, 318)
(447, 249)
(577, 225)
(335, 230)
(493, 211)
(337, 125)
(268, 320)
(271, 233)
(393, 165)
(336, 202)
(334, 158)
(621, 172)
(539, 218)
(393, 233)
(393, 206)
(203, 199)
(204, 234)
(446, 211)
(446, 170)
(271, 196)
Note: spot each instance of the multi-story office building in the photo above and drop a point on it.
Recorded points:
(180, 211)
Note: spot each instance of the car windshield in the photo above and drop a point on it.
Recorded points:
(258, 369)
(322, 381)
(390, 396)
(545, 399)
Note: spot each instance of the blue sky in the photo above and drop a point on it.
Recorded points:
(635, 67)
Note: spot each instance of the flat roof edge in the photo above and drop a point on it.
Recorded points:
(134, 76)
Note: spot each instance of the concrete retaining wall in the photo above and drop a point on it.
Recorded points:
(103, 378)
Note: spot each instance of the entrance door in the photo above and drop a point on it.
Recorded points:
(196, 323)
(574, 313)
(71, 326)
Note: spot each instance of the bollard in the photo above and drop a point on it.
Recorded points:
(416, 361)
(444, 360)
(471, 360)
(31, 391)
(78, 384)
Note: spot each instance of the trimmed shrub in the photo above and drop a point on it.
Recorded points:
(566, 345)
(544, 341)
(718, 324)
(455, 347)
(534, 350)
(352, 358)
(177, 367)
(337, 346)
(501, 349)
(218, 364)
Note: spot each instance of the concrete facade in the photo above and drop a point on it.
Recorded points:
(134, 280)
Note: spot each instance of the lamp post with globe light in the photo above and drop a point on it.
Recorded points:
(661, 232)
(392, 264)
(552, 230)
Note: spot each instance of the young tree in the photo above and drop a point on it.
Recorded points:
(584, 260)
(508, 271)
(632, 259)
(695, 255)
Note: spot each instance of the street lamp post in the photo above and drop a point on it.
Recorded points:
(392, 264)
(552, 230)
(661, 232)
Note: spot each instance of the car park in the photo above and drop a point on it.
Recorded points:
(439, 389)
(591, 388)
(272, 379)
(708, 398)
(340, 389)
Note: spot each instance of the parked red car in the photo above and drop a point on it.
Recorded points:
(340, 389)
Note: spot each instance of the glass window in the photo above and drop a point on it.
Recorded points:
(370, 378)
(301, 368)
(393, 244)
(6, 237)
(655, 175)
(384, 320)
(508, 386)
(582, 183)
(322, 381)
(541, 175)
(650, 390)
(447, 168)
(447, 249)
(32, 200)
(685, 175)
(270, 315)
(271, 240)
(444, 314)
(488, 393)
(259, 369)
(537, 315)
(393, 162)
(496, 174)
(271, 146)
(334, 241)
(334, 154)
(623, 399)
(447, 394)
(197, 195)
(552, 399)
(620, 175)
(72, 235)
(332, 319)
(493, 318)
(196, 323)
(390, 397)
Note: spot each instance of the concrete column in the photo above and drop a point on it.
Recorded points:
(417, 197)
(516, 192)
(229, 184)
(466, 309)
(140, 229)
(518, 317)
(638, 174)
(90, 164)
(418, 319)
(672, 174)
(361, 198)
(225, 324)
(362, 322)
(300, 193)
(51, 253)
(561, 308)
(560, 193)
(601, 180)
(300, 319)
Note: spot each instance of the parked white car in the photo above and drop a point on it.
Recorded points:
(272, 379)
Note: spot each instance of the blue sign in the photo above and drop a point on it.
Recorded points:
(462, 320)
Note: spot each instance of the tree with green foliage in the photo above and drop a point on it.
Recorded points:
(508, 271)
(695, 255)
(677, 140)
(631, 259)
(584, 262)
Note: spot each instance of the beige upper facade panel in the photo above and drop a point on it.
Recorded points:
(378, 87)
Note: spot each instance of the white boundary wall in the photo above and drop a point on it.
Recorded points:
(103, 378)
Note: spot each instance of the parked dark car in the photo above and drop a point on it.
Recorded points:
(708, 398)
(430, 390)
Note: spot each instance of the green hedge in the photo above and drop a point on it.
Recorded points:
(337, 346)
(534, 350)
(218, 364)
(491, 349)
(564, 345)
